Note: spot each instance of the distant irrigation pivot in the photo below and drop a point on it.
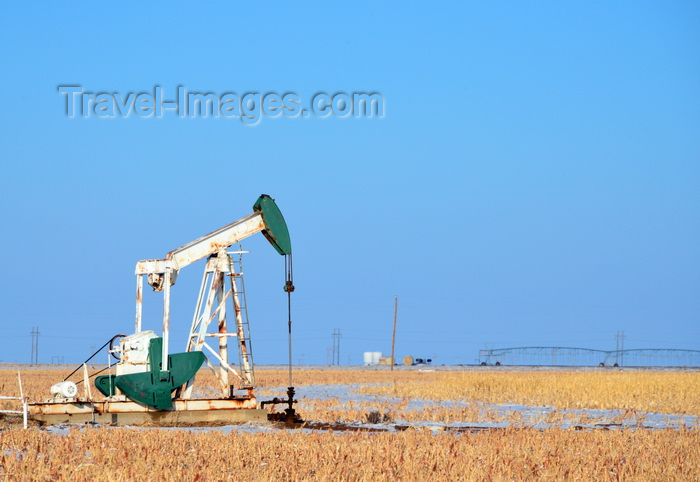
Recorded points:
(567, 356)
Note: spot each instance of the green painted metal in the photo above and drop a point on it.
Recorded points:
(276, 230)
(155, 386)
(105, 384)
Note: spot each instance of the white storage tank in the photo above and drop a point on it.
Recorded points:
(371, 358)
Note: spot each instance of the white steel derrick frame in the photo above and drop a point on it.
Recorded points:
(211, 303)
(162, 273)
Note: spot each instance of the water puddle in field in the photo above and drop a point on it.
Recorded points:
(492, 417)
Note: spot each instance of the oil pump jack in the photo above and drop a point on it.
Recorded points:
(150, 384)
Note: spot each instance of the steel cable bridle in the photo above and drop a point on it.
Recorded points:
(110, 343)
(289, 288)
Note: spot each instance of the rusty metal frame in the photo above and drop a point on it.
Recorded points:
(162, 274)
(125, 412)
(214, 293)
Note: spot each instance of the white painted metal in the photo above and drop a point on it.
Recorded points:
(217, 240)
(25, 400)
(211, 304)
(200, 248)
(244, 349)
(65, 389)
(133, 353)
(166, 319)
(139, 301)
(223, 340)
(87, 390)
(162, 274)
(222, 362)
(22, 399)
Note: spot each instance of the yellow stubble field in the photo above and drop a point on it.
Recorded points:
(516, 452)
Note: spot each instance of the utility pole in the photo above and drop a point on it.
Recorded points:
(336, 346)
(35, 345)
(393, 336)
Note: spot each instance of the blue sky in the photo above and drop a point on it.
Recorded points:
(535, 178)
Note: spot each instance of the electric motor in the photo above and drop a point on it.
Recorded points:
(65, 390)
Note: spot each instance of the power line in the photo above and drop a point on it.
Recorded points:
(336, 346)
(35, 345)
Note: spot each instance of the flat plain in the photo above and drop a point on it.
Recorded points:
(403, 425)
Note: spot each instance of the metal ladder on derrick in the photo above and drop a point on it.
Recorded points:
(212, 304)
(240, 306)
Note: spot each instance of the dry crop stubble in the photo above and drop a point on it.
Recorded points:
(632, 392)
(415, 454)
(129, 454)
(644, 391)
